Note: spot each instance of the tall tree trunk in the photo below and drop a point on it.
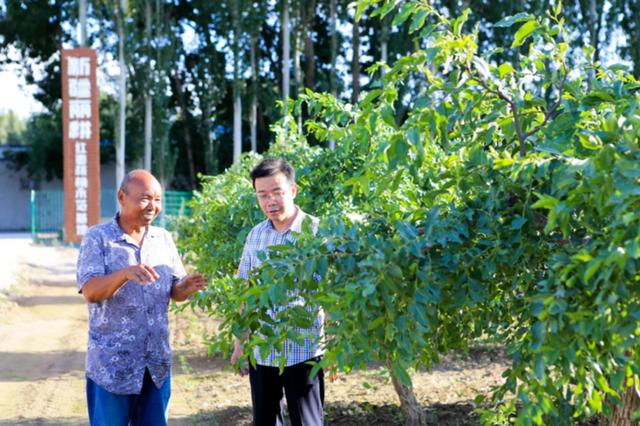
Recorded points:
(211, 161)
(148, 106)
(355, 63)
(309, 53)
(187, 131)
(286, 53)
(82, 15)
(334, 48)
(414, 415)
(237, 126)
(237, 103)
(621, 415)
(297, 44)
(163, 162)
(595, 19)
(384, 43)
(254, 95)
(122, 96)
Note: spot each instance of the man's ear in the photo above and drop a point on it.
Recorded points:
(294, 190)
(121, 196)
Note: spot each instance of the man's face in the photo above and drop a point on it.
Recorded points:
(142, 202)
(275, 196)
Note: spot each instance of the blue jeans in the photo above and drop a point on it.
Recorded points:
(149, 408)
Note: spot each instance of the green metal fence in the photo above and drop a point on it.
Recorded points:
(47, 211)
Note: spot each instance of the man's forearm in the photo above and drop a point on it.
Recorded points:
(104, 287)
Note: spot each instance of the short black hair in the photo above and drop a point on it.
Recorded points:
(273, 166)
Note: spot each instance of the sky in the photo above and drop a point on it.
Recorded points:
(16, 95)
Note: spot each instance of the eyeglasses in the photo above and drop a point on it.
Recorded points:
(277, 195)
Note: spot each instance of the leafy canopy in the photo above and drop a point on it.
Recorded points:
(501, 207)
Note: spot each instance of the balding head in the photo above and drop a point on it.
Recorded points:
(140, 199)
(137, 176)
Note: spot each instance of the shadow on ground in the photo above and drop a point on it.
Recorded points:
(39, 421)
(68, 268)
(19, 366)
(49, 300)
(345, 414)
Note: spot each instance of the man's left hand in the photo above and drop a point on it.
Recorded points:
(188, 285)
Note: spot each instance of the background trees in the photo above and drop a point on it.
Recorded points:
(194, 66)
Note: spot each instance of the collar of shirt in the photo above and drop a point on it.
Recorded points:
(296, 225)
(118, 232)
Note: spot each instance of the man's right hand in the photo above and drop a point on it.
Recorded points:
(237, 355)
(237, 351)
(141, 273)
(103, 287)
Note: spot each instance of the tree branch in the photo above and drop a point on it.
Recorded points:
(514, 110)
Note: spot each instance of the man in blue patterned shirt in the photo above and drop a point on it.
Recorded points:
(274, 183)
(127, 271)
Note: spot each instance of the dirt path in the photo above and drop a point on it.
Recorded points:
(42, 343)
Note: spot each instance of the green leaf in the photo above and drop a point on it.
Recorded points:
(405, 11)
(595, 402)
(523, 33)
(401, 374)
(517, 223)
(592, 268)
(505, 69)
(459, 22)
(545, 202)
(394, 270)
(510, 20)
(376, 323)
(417, 22)
(539, 368)
(388, 116)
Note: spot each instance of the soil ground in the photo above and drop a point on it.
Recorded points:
(43, 326)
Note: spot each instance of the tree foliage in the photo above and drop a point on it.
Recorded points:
(501, 207)
(11, 128)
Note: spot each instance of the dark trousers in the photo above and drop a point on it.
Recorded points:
(305, 395)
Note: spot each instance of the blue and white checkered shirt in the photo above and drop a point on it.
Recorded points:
(261, 237)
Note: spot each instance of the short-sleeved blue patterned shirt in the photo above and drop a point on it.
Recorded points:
(129, 332)
(260, 238)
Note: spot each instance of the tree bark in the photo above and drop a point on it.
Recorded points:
(82, 14)
(334, 48)
(355, 63)
(122, 88)
(148, 106)
(237, 103)
(187, 133)
(622, 414)
(384, 43)
(413, 414)
(254, 95)
(309, 53)
(286, 47)
(297, 45)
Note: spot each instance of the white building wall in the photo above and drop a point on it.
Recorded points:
(15, 194)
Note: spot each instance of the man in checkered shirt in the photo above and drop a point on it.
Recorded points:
(274, 183)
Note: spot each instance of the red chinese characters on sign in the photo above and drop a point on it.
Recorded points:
(81, 128)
